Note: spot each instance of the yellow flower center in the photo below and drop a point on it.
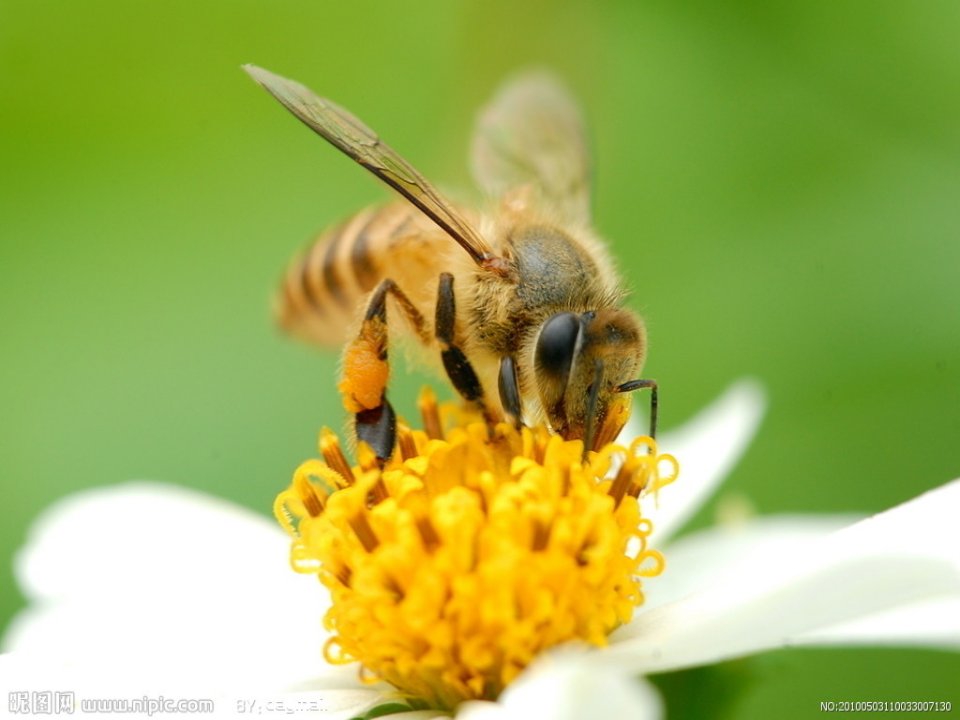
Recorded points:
(472, 551)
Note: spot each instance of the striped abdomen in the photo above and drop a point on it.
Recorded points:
(325, 290)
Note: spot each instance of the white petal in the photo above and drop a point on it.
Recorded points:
(904, 556)
(705, 557)
(176, 581)
(707, 447)
(933, 623)
(141, 534)
(562, 686)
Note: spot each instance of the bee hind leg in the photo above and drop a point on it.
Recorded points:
(461, 373)
(366, 368)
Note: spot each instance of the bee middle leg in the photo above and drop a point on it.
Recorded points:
(461, 373)
(363, 382)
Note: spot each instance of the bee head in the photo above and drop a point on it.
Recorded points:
(580, 361)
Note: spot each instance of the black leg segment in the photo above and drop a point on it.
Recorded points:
(458, 367)
(378, 429)
(509, 386)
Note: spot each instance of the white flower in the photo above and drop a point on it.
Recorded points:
(142, 589)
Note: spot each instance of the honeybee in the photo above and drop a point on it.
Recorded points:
(524, 305)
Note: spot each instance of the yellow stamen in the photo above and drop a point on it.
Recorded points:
(471, 552)
(430, 414)
(333, 455)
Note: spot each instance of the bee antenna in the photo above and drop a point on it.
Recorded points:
(640, 385)
(591, 428)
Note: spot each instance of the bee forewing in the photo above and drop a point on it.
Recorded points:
(532, 132)
(352, 137)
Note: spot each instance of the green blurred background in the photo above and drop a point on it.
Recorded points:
(780, 184)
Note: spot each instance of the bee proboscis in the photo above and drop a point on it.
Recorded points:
(524, 306)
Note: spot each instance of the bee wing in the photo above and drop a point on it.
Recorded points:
(352, 137)
(532, 132)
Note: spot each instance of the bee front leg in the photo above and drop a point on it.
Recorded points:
(366, 370)
(654, 400)
(455, 362)
(509, 385)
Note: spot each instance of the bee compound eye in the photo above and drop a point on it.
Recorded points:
(557, 343)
